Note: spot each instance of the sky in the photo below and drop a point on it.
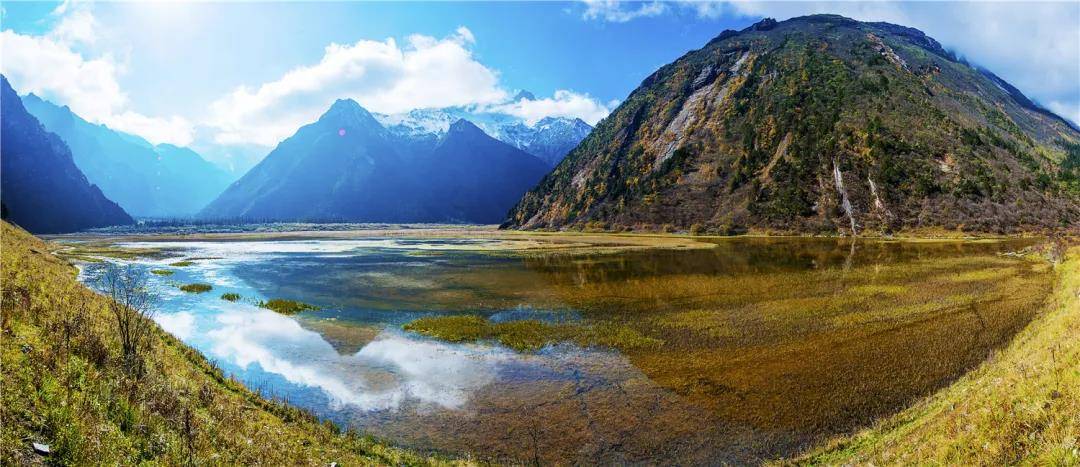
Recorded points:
(233, 79)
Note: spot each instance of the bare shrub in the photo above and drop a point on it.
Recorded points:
(132, 306)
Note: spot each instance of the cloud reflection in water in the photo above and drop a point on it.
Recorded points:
(384, 374)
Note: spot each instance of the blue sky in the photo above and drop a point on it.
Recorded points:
(221, 75)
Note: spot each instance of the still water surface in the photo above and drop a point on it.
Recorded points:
(768, 344)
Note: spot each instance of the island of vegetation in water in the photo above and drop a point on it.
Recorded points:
(530, 334)
(286, 306)
(230, 296)
(197, 287)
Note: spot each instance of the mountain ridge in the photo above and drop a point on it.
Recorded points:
(348, 166)
(147, 180)
(817, 124)
(42, 190)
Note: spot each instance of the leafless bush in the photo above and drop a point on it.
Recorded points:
(132, 305)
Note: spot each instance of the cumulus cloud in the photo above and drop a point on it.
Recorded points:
(618, 11)
(49, 66)
(563, 104)
(384, 77)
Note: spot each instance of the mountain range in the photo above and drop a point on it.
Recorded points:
(162, 181)
(549, 139)
(41, 188)
(348, 166)
(818, 124)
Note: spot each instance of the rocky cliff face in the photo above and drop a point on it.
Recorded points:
(818, 124)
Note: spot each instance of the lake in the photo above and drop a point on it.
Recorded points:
(732, 350)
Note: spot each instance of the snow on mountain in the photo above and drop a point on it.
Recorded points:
(550, 139)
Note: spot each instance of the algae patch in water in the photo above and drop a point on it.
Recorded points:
(197, 287)
(530, 334)
(286, 307)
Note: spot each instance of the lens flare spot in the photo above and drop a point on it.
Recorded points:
(341, 132)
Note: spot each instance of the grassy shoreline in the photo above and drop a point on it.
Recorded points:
(61, 386)
(1021, 406)
(47, 398)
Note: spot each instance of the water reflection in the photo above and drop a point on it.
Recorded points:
(769, 343)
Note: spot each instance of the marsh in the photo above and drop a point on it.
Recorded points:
(560, 348)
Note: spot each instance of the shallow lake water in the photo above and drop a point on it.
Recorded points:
(767, 345)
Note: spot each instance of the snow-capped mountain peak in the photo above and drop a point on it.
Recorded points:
(549, 139)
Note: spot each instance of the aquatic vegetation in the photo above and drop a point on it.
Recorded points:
(779, 343)
(197, 287)
(1018, 407)
(816, 347)
(93, 252)
(530, 335)
(180, 264)
(286, 307)
(230, 296)
(162, 272)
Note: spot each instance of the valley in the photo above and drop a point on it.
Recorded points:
(710, 238)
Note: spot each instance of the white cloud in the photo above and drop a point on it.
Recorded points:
(563, 104)
(48, 66)
(615, 11)
(384, 77)
(78, 27)
(1069, 110)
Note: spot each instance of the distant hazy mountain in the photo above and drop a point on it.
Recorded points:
(476, 178)
(147, 180)
(818, 124)
(550, 139)
(347, 166)
(41, 189)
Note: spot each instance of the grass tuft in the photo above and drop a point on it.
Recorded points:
(162, 272)
(230, 296)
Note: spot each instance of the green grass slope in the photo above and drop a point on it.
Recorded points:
(61, 385)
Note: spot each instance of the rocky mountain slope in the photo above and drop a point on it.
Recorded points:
(146, 180)
(41, 189)
(819, 124)
(347, 166)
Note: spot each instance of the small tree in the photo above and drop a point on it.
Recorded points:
(132, 305)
